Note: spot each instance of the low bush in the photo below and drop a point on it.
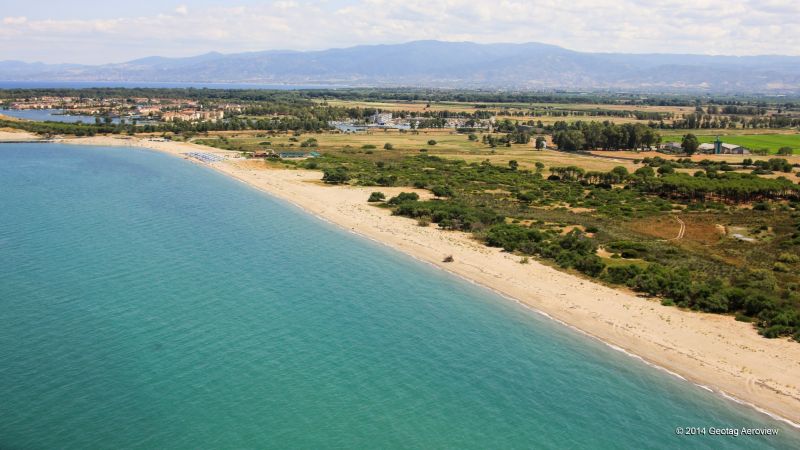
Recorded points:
(376, 197)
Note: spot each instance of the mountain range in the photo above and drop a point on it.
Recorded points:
(532, 66)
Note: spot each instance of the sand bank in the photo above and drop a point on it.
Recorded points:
(714, 351)
(11, 135)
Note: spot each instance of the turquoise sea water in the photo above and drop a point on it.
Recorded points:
(146, 302)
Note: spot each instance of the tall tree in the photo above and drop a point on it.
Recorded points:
(689, 144)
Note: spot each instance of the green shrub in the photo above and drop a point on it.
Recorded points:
(628, 249)
(442, 191)
(449, 215)
(338, 175)
(761, 206)
(780, 267)
(591, 265)
(310, 142)
(376, 197)
(511, 237)
(404, 197)
(621, 274)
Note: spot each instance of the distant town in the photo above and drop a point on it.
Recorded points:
(130, 109)
(153, 110)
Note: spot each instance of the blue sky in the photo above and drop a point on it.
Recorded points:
(90, 31)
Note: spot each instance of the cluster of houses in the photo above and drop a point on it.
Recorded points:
(172, 110)
(193, 115)
(76, 105)
(714, 148)
(165, 109)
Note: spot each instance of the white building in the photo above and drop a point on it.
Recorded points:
(381, 118)
(721, 148)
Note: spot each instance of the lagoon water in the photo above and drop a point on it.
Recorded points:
(49, 115)
(146, 302)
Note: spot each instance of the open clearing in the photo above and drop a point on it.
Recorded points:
(520, 110)
(448, 145)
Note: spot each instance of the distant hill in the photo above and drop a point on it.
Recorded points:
(446, 64)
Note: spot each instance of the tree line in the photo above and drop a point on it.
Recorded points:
(605, 135)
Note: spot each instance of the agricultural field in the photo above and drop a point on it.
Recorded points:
(413, 106)
(550, 120)
(548, 113)
(770, 140)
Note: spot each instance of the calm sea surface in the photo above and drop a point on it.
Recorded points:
(150, 303)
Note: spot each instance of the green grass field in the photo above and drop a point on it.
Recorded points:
(771, 142)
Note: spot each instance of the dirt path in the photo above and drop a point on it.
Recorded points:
(682, 230)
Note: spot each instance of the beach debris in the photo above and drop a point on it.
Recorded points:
(448, 259)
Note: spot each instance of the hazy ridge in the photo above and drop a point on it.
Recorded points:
(445, 65)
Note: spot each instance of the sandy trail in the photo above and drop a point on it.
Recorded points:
(681, 230)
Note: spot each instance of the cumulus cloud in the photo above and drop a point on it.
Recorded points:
(737, 27)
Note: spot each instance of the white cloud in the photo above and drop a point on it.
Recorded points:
(14, 20)
(736, 27)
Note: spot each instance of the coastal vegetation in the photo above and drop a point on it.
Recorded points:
(602, 225)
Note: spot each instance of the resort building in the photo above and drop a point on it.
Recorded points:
(149, 110)
(191, 115)
(381, 118)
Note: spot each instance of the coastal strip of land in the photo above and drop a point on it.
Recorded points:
(8, 135)
(711, 350)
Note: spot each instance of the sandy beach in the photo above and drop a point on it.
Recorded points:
(10, 135)
(714, 351)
